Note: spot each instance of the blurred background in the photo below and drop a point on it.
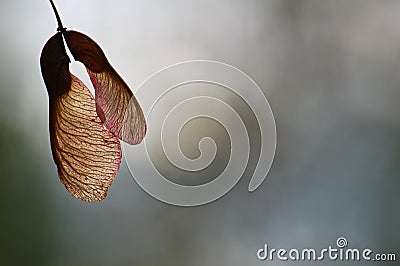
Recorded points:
(330, 70)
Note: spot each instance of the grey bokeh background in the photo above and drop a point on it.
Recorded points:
(330, 70)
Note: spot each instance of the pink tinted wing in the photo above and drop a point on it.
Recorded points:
(117, 107)
(87, 155)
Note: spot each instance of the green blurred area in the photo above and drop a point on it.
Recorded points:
(26, 226)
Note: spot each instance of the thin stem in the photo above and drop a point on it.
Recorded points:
(60, 26)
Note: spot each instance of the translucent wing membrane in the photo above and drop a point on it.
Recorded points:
(124, 119)
(116, 106)
(87, 154)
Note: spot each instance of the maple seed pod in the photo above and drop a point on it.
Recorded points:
(87, 155)
(85, 131)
